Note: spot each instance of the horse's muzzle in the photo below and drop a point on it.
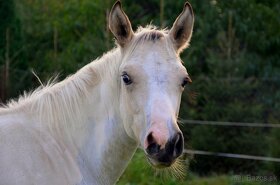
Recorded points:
(165, 157)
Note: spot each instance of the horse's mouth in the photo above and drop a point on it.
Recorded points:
(160, 164)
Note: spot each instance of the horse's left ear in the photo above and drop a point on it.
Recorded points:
(120, 25)
(181, 31)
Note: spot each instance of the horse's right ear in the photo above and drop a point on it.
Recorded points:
(119, 25)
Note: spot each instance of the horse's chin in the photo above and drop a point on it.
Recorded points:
(159, 165)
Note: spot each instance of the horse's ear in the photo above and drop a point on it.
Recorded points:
(119, 25)
(181, 30)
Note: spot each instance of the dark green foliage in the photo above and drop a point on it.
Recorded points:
(274, 149)
(230, 60)
(234, 62)
(10, 46)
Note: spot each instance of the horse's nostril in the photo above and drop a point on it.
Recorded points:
(150, 138)
(153, 148)
(179, 145)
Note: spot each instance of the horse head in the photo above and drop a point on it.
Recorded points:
(152, 79)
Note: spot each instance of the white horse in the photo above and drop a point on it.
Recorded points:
(85, 129)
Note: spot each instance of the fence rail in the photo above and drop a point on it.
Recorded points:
(235, 124)
(230, 155)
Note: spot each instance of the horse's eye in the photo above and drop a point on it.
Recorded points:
(126, 79)
(186, 81)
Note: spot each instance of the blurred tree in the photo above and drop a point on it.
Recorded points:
(230, 60)
(9, 44)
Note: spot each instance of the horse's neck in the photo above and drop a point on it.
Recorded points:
(106, 152)
(107, 149)
(65, 107)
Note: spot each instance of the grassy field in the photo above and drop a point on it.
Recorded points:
(139, 172)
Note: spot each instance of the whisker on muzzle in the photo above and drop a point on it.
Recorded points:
(177, 170)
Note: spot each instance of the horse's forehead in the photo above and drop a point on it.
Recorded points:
(153, 53)
(152, 59)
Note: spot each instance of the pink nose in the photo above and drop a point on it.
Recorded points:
(158, 136)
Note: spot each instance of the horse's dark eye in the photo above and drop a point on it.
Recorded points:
(186, 81)
(126, 79)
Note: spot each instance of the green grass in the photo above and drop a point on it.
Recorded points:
(139, 172)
